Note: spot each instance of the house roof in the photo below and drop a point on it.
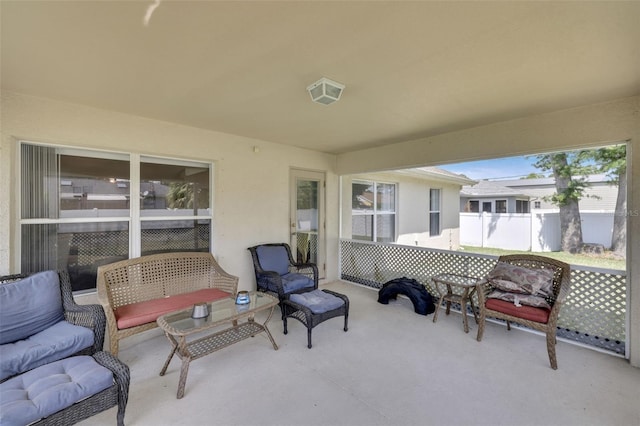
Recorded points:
(437, 174)
(549, 181)
(485, 188)
(411, 69)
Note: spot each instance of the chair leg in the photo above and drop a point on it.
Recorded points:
(481, 321)
(508, 325)
(551, 348)
(114, 345)
(309, 337)
(346, 317)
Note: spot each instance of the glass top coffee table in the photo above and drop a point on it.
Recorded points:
(179, 325)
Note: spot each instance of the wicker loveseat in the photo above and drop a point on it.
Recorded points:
(52, 368)
(135, 292)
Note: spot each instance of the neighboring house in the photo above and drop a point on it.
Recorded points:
(506, 222)
(493, 197)
(600, 193)
(410, 207)
(522, 195)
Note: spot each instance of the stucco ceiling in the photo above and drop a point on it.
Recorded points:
(411, 69)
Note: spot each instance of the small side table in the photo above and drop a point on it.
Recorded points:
(467, 286)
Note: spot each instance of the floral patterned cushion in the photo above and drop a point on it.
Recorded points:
(519, 299)
(516, 279)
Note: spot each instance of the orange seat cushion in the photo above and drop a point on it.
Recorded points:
(530, 313)
(148, 311)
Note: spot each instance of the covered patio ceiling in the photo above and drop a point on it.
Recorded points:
(411, 69)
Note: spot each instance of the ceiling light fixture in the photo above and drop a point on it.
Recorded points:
(325, 91)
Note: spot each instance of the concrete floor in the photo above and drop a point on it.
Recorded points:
(393, 367)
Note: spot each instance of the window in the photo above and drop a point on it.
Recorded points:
(536, 204)
(486, 207)
(501, 206)
(473, 206)
(373, 213)
(81, 209)
(522, 206)
(434, 212)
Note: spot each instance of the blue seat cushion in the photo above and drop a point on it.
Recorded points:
(59, 341)
(50, 388)
(273, 258)
(317, 301)
(294, 282)
(29, 306)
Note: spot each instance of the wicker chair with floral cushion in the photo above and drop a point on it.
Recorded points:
(528, 290)
(278, 274)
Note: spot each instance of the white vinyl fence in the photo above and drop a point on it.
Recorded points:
(538, 231)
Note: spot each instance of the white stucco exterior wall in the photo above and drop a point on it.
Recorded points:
(251, 189)
(412, 209)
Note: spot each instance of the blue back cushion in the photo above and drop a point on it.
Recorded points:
(273, 258)
(29, 306)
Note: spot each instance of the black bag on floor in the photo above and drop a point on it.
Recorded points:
(416, 292)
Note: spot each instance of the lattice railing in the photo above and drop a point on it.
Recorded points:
(593, 314)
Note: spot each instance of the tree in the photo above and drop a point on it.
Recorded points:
(186, 195)
(534, 176)
(569, 190)
(612, 161)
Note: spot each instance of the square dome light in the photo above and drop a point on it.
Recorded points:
(325, 91)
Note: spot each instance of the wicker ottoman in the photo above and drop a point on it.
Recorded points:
(313, 307)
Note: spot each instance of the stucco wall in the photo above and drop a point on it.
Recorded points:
(412, 223)
(251, 198)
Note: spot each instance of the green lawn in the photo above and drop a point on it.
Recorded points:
(604, 261)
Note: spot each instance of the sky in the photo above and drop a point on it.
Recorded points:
(499, 168)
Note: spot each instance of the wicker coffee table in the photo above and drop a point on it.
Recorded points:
(178, 326)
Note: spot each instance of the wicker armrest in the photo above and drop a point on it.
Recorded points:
(121, 377)
(92, 317)
(483, 288)
(305, 265)
(311, 269)
(89, 316)
(268, 279)
(11, 278)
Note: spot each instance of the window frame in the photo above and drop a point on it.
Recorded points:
(437, 212)
(374, 212)
(133, 220)
(470, 208)
(523, 206)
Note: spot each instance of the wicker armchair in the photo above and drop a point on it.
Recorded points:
(278, 274)
(537, 318)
